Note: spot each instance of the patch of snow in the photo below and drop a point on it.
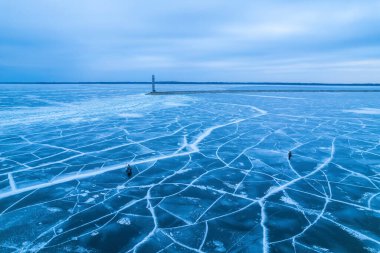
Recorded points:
(120, 187)
(183, 171)
(124, 221)
(90, 200)
(288, 200)
(230, 185)
(320, 249)
(54, 209)
(372, 250)
(366, 110)
(131, 115)
(37, 247)
(200, 187)
(219, 246)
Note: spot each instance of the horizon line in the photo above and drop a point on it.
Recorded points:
(190, 82)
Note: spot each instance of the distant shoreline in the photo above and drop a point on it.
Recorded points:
(206, 83)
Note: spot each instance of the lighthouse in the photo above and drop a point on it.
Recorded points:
(153, 84)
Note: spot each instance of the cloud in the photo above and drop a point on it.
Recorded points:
(47, 40)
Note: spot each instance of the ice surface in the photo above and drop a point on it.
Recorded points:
(210, 171)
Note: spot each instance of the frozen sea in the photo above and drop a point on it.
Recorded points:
(210, 171)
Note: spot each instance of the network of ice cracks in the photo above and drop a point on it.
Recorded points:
(210, 174)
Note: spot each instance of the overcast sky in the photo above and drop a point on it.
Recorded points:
(336, 41)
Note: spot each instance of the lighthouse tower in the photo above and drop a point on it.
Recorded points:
(153, 84)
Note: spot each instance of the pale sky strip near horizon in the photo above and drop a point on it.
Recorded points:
(333, 41)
